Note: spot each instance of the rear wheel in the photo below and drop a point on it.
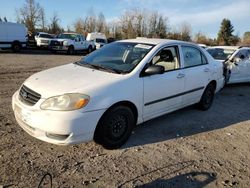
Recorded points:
(16, 47)
(207, 98)
(115, 127)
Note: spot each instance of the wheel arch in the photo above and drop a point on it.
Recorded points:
(125, 103)
(214, 84)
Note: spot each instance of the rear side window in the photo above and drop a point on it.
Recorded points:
(193, 57)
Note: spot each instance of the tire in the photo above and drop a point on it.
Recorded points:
(207, 98)
(16, 47)
(53, 51)
(115, 127)
(227, 75)
(71, 50)
(90, 49)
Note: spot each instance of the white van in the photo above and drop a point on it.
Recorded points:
(12, 35)
(98, 38)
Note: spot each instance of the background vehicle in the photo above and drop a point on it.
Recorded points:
(43, 39)
(76, 102)
(98, 38)
(71, 42)
(12, 35)
(237, 60)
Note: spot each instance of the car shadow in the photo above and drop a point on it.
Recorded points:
(170, 176)
(231, 106)
(187, 180)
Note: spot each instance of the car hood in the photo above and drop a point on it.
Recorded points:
(61, 40)
(69, 78)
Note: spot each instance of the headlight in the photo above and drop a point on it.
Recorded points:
(65, 43)
(66, 102)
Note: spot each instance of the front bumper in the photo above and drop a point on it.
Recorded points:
(57, 127)
(58, 48)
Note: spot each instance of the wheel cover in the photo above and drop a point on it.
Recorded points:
(209, 97)
(118, 125)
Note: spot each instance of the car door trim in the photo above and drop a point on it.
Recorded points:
(173, 96)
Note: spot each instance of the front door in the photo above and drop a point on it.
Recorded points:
(162, 91)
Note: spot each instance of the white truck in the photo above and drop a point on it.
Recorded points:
(13, 36)
(43, 39)
(71, 42)
(99, 39)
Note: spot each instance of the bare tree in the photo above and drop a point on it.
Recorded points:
(43, 19)
(101, 23)
(79, 26)
(30, 14)
(185, 30)
(54, 26)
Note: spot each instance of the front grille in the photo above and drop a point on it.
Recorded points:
(55, 43)
(28, 96)
(45, 41)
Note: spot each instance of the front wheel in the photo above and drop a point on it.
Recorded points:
(89, 49)
(207, 98)
(115, 127)
(71, 50)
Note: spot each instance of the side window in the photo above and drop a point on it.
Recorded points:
(167, 58)
(193, 57)
(242, 54)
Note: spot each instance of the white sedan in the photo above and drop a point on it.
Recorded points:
(238, 59)
(108, 92)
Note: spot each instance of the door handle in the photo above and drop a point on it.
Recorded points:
(206, 70)
(180, 75)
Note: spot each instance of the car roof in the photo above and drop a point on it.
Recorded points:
(154, 41)
(72, 33)
(224, 47)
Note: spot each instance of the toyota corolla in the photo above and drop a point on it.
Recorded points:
(107, 93)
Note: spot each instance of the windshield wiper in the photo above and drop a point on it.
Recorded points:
(99, 67)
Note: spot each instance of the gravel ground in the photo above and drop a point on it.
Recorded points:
(188, 148)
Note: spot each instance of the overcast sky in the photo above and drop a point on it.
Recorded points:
(204, 16)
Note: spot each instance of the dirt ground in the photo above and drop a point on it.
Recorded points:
(188, 148)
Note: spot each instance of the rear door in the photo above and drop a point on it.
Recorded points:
(197, 73)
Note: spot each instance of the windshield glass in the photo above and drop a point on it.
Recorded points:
(121, 57)
(67, 36)
(46, 36)
(220, 53)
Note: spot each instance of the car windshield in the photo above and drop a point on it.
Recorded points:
(220, 53)
(118, 57)
(100, 40)
(67, 36)
(46, 36)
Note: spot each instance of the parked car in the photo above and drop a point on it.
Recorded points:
(13, 36)
(104, 95)
(237, 59)
(71, 42)
(43, 39)
(98, 38)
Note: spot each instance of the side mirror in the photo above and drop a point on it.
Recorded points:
(154, 69)
(242, 57)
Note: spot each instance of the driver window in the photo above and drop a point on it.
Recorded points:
(242, 54)
(167, 58)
